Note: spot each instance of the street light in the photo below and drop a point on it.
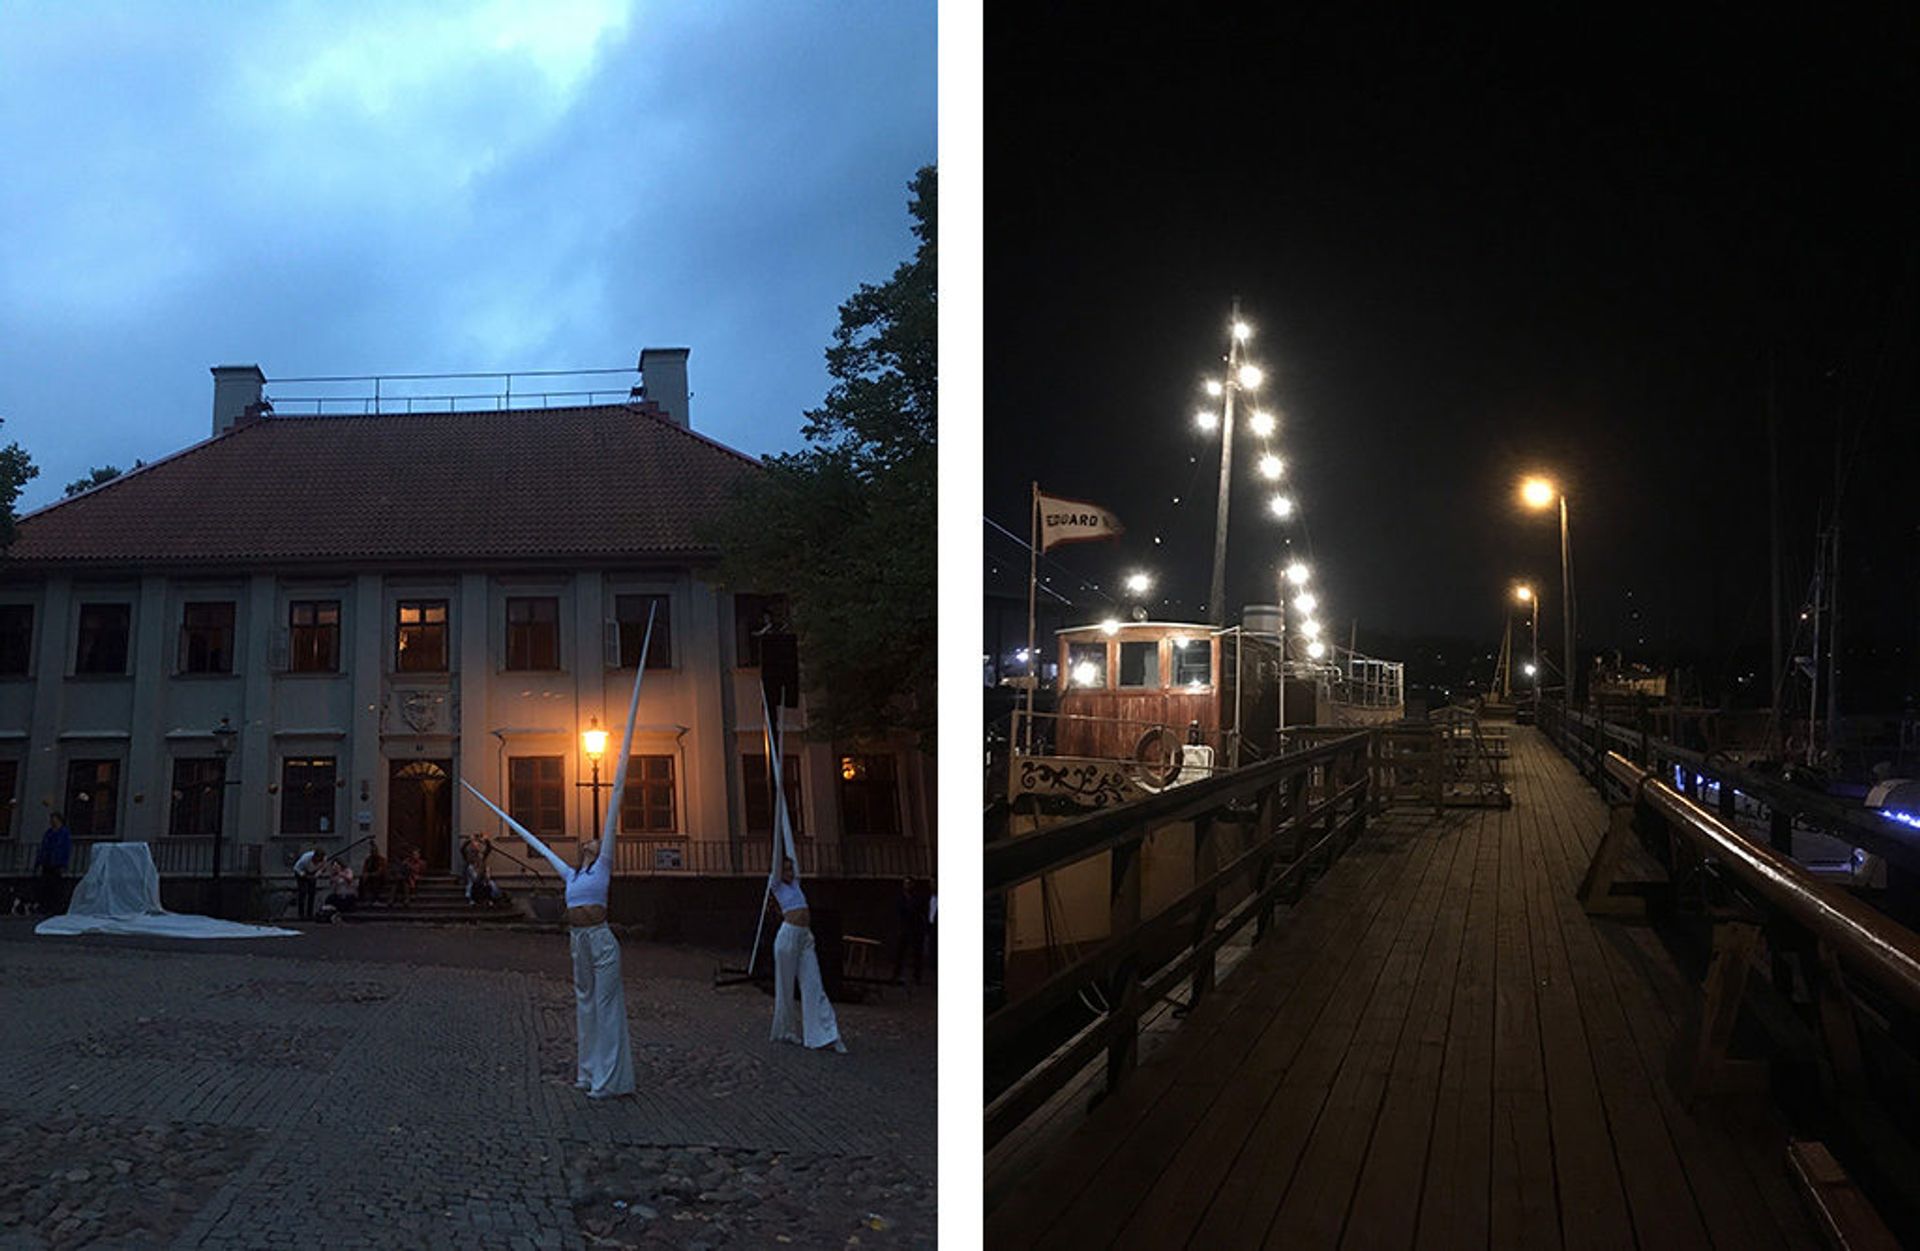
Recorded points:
(1241, 377)
(1539, 494)
(1525, 594)
(593, 740)
(1298, 573)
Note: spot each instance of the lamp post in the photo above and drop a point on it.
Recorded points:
(1537, 494)
(1528, 596)
(1241, 376)
(224, 737)
(593, 740)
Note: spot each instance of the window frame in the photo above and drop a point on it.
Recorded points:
(1203, 648)
(1078, 651)
(209, 794)
(401, 627)
(868, 785)
(74, 805)
(660, 650)
(80, 651)
(200, 639)
(307, 789)
(751, 786)
(1152, 650)
(314, 630)
(7, 636)
(526, 635)
(638, 780)
(549, 798)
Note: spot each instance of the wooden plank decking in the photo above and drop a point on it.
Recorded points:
(1439, 1048)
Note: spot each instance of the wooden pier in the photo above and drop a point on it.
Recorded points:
(1436, 1047)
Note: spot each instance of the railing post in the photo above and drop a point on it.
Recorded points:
(1268, 832)
(1203, 867)
(1123, 990)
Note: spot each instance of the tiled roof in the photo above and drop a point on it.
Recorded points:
(607, 481)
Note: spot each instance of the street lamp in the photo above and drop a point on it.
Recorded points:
(1525, 594)
(593, 740)
(224, 738)
(1539, 494)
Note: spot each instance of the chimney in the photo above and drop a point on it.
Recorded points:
(663, 381)
(236, 388)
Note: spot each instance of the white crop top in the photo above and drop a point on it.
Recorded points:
(788, 895)
(589, 885)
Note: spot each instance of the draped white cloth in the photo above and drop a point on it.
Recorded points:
(794, 961)
(604, 1065)
(121, 895)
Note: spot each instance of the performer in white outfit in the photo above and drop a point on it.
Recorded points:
(794, 960)
(604, 1052)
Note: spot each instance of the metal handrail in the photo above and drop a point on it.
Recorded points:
(1879, 948)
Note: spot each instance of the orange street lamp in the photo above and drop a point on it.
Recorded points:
(1524, 593)
(594, 740)
(1540, 493)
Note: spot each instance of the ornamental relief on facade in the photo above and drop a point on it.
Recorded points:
(420, 710)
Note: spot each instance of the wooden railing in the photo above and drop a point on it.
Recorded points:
(1303, 809)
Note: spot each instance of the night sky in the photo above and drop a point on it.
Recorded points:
(1467, 253)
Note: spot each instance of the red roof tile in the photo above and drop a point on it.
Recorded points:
(608, 481)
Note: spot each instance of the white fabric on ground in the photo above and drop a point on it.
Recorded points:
(794, 961)
(121, 895)
(604, 1064)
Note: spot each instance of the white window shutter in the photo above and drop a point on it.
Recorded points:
(610, 644)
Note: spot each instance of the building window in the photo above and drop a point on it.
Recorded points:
(1140, 664)
(420, 636)
(533, 633)
(1192, 662)
(314, 627)
(869, 799)
(199, 787)
(306, 795)
(16, 638)
(754, 615)
(9, 785)
(537, 793)
(631, 613)
(759, 807)
(103, 638)
(206, 638)
(647, 806)
(1087, 665)
(93, 797)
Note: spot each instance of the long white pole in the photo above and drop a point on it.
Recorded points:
(773, 872)
(1033, 578)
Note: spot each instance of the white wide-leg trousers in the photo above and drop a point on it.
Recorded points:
(794, 961)
(605, 1055)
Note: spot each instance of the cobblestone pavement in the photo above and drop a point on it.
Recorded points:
(375, 1086)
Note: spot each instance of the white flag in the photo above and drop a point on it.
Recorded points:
(1070, 521)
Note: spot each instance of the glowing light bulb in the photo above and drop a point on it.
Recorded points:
(1281, 506)
(1306, 601)
(1084, 673)
(1316, 649)
(1251, 376)
(1110, 627)
(1310, 628)
(1527, 669)
(1523, 593)
(1538, 492)
(1242, 331)
(1298, 573)
(1261, 423)
(1214, 388)
(1139, 583)
(1270, 467)
(1206, 419)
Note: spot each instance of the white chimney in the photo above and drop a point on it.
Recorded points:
(663, 380)
(235, 387)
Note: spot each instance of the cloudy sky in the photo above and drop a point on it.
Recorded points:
(408, 188)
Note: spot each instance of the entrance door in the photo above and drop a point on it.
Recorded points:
(420, 810)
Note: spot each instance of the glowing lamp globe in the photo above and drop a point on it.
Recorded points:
(1538, 493)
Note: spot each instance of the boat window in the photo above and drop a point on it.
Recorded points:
(1087, 665)
(1140, 664)
(1192, 662)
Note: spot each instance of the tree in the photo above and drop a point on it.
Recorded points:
(846, 527)
(97, 475)
(16, 470)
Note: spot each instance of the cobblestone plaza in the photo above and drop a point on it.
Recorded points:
(377, 1086)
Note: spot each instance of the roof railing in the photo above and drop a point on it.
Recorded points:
(391, 393)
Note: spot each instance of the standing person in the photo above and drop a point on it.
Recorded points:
(794, 961)
(306, 880)
(373, 876)
(56, 850)
(910, 913)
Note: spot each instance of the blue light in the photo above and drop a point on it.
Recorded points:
(1904, 818)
